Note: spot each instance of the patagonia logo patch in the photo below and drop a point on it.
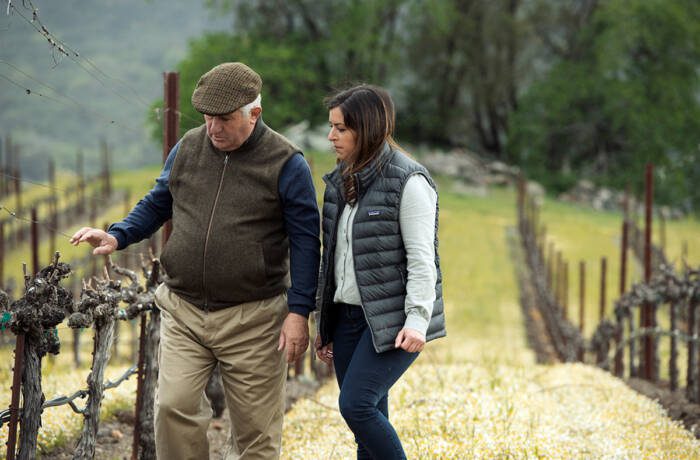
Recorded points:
(373, 213)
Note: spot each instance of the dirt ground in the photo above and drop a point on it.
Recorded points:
(115, 437)
(676, 404)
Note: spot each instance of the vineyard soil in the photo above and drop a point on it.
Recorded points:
(675, 403)
(115, 437)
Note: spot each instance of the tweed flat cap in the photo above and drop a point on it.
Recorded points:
(225, 88)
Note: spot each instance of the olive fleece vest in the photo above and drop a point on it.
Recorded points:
(378, 251)
(228, 245)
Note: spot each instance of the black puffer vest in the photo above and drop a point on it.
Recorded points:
(378, 251)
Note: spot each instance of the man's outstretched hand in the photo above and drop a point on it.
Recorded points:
(103, 242)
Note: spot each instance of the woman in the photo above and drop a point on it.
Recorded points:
(380, 290)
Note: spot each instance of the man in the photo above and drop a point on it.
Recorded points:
(245, 217)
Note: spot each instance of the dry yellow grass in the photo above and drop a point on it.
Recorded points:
(463, 411)
(478, 393)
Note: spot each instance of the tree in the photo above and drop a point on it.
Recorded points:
(624, 94)
(466, 63)
(302, 49)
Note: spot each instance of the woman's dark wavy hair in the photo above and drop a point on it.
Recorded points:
(369, 111)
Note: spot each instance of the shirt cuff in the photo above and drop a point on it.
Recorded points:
(298, 309)
(416, 322)
(121, 240)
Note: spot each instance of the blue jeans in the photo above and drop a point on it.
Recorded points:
(365, 377)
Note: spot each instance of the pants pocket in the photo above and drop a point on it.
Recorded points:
(163, 298)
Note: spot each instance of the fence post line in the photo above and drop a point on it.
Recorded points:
(53, 216)
(560, 278)
(76, 331)
(125, 258)
(14, 403)
(694, 305)
(139, 387)
(648, 319)
(557, 279)
(171, 126)
(662, 231)
(2, 253)
(565, 303)
(692, 369)
(18, 189)
(80, 172)
(603, 286)
(556, 261)
(619, 365)
(581, 295)
(550, 263)
(673, 359)
(521, 199)
(541, 243)
(535, 219)
(104, 170)
(93, 224)
(552, 267)
(3, 177)
(35, 242)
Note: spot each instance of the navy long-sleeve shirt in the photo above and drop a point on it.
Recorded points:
(301, 221)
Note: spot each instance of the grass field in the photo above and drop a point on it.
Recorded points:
(477, 392)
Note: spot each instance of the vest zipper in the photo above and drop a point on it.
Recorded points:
(330, 270)
(206, 238)
(362, 301)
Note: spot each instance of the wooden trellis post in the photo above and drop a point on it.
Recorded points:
(144, 437)
(648, 317)
(44, 306)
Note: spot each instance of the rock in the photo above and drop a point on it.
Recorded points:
(536, 191)
(466, 188)
(603, 198)
(308, 138)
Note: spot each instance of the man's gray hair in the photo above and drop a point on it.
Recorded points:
(245, 110)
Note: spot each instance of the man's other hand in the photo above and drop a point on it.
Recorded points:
(294, 337)
(103, 242)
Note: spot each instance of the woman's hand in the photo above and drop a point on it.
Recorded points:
(410, 340)
(324, 353)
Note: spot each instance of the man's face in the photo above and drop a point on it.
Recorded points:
(228, 132)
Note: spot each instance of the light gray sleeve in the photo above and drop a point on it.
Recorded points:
(417, 221)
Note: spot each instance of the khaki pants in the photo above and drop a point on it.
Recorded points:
(243, 339)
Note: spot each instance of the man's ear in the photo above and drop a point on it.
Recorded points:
(255, 113)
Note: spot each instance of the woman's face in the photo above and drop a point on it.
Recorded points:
(344, 139)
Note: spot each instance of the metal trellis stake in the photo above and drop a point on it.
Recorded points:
(14, 404)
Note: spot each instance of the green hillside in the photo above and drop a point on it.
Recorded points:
(106, 92)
